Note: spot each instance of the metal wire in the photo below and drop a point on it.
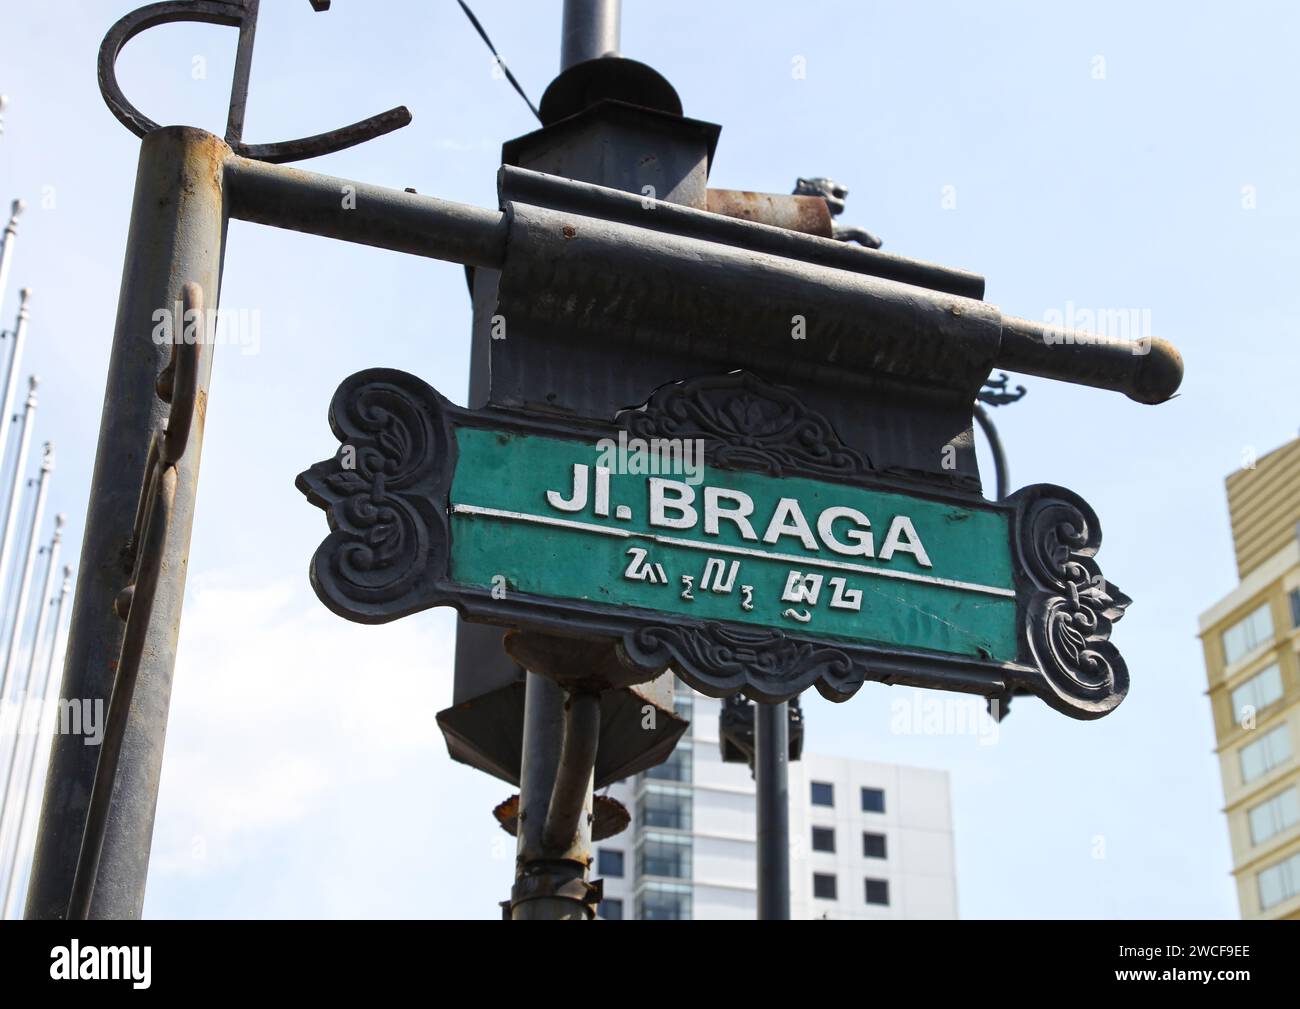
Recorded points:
(500, 62)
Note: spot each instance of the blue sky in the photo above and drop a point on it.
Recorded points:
(304, 773)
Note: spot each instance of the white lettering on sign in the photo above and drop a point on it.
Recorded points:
(673, 505)
(578, 499)
(788, 520)
(685, 515)
(894, 542)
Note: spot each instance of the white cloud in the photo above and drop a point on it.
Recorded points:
(278, 708)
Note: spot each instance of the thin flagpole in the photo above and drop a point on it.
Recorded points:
(15, 497)
(12, 894)
(14, 369)
(7, 245)
(25, 692)
(25, 585)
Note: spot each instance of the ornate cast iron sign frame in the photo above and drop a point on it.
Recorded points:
(390, 501)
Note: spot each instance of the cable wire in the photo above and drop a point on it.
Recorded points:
(500, 62)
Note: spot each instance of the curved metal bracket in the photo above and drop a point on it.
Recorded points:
(241, 14)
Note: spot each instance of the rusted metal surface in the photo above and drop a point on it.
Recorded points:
(241, 14)
(609, 817)
(385, 218)
(834, 195)
(177, 234)
(589, 270)
(807, 215)
(549, 190)
(578, 663)
(178, 385)
(1148, 370)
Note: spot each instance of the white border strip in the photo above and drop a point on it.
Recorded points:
(817, 562)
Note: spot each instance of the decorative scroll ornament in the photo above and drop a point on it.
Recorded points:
(1068, 620)
(764, 662)
(998, 391)
(385, 495)
(241, 14)
(746, 423)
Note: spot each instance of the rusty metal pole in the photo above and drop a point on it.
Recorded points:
(177, 235)
(542, 870)
(552, 861)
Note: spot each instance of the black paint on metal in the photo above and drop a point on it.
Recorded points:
(241, 14)
(772, 797)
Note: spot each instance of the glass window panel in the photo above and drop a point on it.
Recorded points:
(664, 902)
(877, 891)
(1258, 692)
(664, 855)
(1264, 754)
(1279, 882)
(665, 806)
(873, 800)
(824, 886)
(1274, 816)
(1248, 634)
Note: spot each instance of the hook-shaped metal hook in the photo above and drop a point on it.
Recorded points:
(241, 14)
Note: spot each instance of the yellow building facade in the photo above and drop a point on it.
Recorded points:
(1251, 640)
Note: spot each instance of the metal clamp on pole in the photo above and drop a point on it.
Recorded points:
(177, 385)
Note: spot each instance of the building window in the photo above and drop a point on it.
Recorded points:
(1279, 882)
(1294, 596)
(683, 706)
(664, 902)
(824, 886)
(667, 806)
(675, 768)
(1265, 753)
(873, 845)
(664, 855)
(609, 862)
(1257, 693)
(823, 839)
(823, 793)
(878, 891)
(873, 800)
(1248, 634)
(611, 909)
(1274, 816)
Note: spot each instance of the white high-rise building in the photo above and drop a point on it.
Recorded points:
(867, 840)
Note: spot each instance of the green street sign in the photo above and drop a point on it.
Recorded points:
(565, 519)
(757, 553)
